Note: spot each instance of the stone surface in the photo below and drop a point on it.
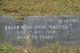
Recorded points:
(38, 31)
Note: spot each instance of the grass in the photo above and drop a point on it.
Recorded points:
(6, 49)
(22, 8)
(52, 48)
(57, 48)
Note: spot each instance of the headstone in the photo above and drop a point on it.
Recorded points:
(38, 31)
